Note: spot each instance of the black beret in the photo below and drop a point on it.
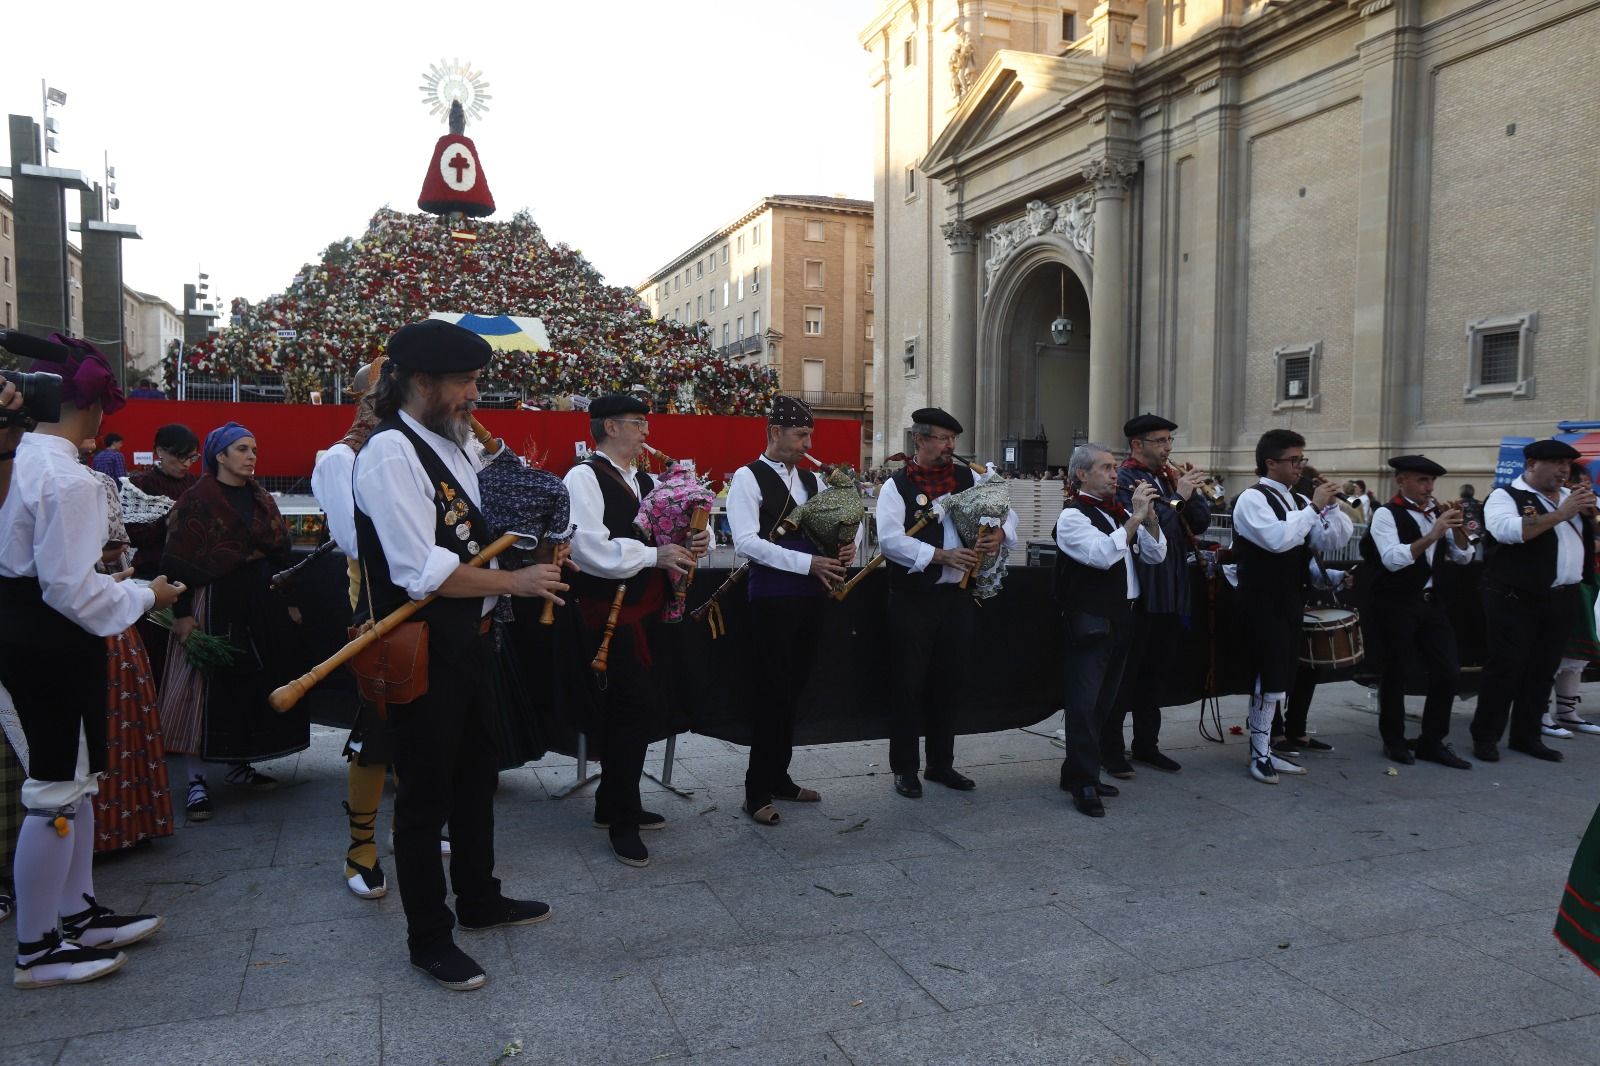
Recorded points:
(1139, 425)
(789, 411)
(617, 404)
(1550, 449)
(434, 346)
(933, 416)
(1418, 464)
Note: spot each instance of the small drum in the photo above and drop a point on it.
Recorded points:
(1332, 638)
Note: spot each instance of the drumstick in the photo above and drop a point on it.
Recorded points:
(286, 696)
(916, 527)
(603, 655)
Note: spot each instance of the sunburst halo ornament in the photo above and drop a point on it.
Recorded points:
(455, 82)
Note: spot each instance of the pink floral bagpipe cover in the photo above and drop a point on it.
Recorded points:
(666, 517)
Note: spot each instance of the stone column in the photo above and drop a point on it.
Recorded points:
(1108, 344)
(962, 237)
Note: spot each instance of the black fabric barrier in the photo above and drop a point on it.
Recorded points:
(708, 686)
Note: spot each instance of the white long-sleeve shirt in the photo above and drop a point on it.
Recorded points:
(744, 518)
(331, 484)
(914, 554)
(1082, 541)
(1397, 556)
(593, 548)
(393, 490)
(1254, 519)
(55, 521)
(1504, 523)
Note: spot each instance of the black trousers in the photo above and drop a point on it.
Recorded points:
(444, 762)
(1527, 634)
(928, 635)
(786, 629)
(1141, 682)
(624, 733)
(1094, 657)
(1417, 625)
(1290, 720)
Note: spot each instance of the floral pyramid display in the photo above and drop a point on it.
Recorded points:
(338, 312)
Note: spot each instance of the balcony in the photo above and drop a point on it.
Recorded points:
(847, 401)
(743, 346)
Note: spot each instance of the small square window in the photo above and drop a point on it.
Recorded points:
(699, 269)
(725, 329)
(870, 324)
(755, 323)
(813, 274)
(909, 52)
(815, 230)
(909, 354)
(738, 332)
(724, 255)
(911, 181)
(755, 279)
(1297, 374)
(725, 290)
(741, 286)
(1069, 27)
(869, 279)
(755, 233)
(741, 244)
(1500, 356)
(699, 307)
(813, 320)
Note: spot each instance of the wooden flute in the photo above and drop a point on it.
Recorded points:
(283, 577)
(603, 655)
(286, 696)
(912, 530)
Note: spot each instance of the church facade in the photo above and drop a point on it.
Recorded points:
(1371, 221)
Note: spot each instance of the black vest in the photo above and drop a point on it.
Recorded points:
(1266, 572)
(621, 508)
(777, 504)
(452, 620)
(1080, 587)
(1531, 565)
(900, 578)
(1407, 581)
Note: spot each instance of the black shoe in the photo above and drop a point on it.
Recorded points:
(1284, 748)
(1440, 752)
(908, 786)
(647, 820)
(1484, 751)
(1107, 790)
(1118, 767)
(1310, 744)
(504, 912)
(628, 848)
(1153, 758)
(101, 927)
(453, 968)
(949, 778)
(1087, 800)
(1399, 753)
(1538, 749)
(198, 805)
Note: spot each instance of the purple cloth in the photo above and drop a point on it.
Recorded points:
(110, 461)
(765, 582)
(219, 440)
(86, 377)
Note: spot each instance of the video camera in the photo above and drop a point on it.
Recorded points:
(41, 392)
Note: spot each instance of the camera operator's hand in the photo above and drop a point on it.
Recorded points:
(10, 402)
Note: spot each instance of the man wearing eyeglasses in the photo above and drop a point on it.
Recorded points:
(1276, 531)
(610, 551)
(1164, 594)
(930, 614)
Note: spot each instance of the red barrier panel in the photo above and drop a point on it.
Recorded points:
(290, 435)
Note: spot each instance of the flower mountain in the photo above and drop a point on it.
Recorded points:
(342, 310)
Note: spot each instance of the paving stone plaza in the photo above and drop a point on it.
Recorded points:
(1348, 916)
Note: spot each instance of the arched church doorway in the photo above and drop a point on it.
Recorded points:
(1046, 379)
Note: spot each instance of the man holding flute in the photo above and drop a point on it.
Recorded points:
(1411, 597)
(788, 586)
(1164, 588)
(617, 582)
(1096, 584)
(930, 614)
(1543, 535)
(418, 527)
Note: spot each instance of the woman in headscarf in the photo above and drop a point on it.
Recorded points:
(134, 803)
(226, 537)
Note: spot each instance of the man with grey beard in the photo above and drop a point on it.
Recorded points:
(418, 526)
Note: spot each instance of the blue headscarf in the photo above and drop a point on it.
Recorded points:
(220, 440)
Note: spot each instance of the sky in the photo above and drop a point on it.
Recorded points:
(246, 138)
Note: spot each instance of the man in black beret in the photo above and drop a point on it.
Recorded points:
(418, 526)
(611, 553)
(1541, 537)
(1164, 591)
(788, 586)
(930, 614)
(1413, 588)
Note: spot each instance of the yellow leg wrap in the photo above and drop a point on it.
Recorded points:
(364, 787)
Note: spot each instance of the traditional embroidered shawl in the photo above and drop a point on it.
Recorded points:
(207, 539)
